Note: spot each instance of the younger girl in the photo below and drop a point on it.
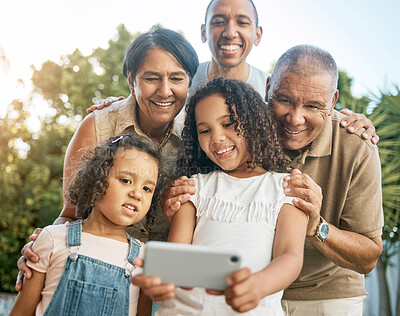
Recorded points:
(112, 190)
(231, 148)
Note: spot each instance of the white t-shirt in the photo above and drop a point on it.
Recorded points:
(236, 213)
(52, 249)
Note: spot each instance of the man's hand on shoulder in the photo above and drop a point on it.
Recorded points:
(177, 194)
(308, 197)
(103, 103)
(355, 121)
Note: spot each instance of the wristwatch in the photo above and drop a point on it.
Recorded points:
(322, 230)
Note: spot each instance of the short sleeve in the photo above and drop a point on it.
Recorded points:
(43, 247)
(360, 214)
(194, 197)
(285, 199)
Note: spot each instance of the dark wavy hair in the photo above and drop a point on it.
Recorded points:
(159, 37)
(91, 181)
(251, 118)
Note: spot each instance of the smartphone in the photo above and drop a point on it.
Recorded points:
(191, 265)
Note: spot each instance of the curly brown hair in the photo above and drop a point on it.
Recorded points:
(91, 181)
(251, 118)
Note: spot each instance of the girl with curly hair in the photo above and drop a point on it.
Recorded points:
(86, 266)
(231, 148)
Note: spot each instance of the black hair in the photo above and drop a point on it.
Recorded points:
(252, 119)
(91, 181)
(252, 4)
(169, 40)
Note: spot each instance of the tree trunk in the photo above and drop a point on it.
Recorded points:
(384, 298)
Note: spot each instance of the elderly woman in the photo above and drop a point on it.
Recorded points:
(159, 65)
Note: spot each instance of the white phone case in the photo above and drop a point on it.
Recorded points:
(191, 265)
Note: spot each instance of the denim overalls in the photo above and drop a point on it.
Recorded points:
(89, 286)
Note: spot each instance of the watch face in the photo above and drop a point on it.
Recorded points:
(323, 230)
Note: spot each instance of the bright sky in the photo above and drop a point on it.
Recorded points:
(362, 35)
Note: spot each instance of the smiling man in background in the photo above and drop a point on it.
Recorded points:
(345, 224)
(231, 29)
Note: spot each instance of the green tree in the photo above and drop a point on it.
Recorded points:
(31, 164)
(346, 98)
(386, 119)
(25, 178)
(384, 112)
(110, 62)
(15, 216)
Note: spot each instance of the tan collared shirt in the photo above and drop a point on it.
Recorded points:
(348, 170)
(120, 119)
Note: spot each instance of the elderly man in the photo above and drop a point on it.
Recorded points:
(339, 186)
(344, 230)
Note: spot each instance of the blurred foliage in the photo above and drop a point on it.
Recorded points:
(346, 99)
(384, 112)
(77, 81)
(386, 118)
(31, 164)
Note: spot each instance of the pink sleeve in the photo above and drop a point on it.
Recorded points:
(43, 247)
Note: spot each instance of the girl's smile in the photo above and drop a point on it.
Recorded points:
(225, 153)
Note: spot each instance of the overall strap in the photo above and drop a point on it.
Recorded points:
(74, 234)
(134, 249)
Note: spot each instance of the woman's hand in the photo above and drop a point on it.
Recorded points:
(27, 254)
(356, 121)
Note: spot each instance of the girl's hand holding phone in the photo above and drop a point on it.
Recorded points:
(244, 292)
(152, 286)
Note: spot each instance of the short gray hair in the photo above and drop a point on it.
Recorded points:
(306, 60)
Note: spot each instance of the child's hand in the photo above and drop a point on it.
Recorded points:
(244, 291)
(152, 285)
